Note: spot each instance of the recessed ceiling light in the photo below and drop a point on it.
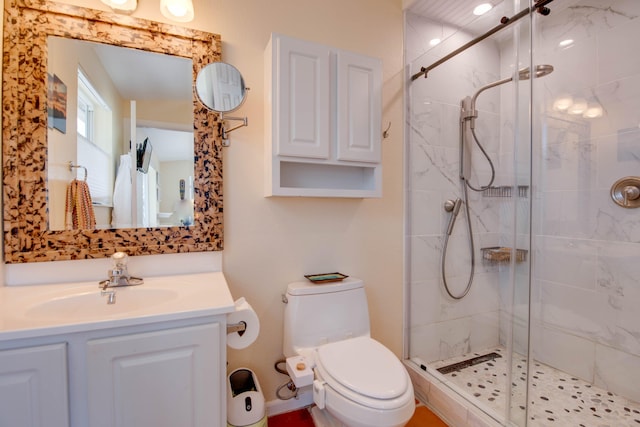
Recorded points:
(565, 43)
(481, 9)
(434, 42)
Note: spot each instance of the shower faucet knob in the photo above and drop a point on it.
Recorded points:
(449, 205)
(625, 192)
(631, 193)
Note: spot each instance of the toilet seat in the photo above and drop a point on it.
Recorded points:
(364, 371)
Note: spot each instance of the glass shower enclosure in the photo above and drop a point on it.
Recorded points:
(521, 190)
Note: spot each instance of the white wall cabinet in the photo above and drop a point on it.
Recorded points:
(33, 387)
(161, 378)
(323, 121)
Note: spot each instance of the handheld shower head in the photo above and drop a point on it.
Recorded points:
(453, 207)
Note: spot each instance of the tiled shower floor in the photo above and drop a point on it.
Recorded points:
(557, 398)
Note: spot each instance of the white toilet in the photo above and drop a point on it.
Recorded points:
(357, 380)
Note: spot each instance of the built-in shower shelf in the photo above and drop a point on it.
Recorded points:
(503, 254)
(506, 191)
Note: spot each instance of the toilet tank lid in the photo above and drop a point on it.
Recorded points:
(309, 288)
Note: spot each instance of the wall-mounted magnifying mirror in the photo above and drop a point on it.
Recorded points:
(220, 87)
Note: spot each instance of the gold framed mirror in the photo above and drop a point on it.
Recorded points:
(27, 237)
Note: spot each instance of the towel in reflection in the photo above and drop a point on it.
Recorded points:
(79, 213)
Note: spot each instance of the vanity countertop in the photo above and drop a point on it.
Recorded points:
(30, 311)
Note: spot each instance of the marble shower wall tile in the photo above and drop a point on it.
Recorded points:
(614, 48)
(559, 349)
(618, 371)
(569, 261)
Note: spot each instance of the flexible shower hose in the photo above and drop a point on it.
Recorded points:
(493, 169)
(443, 254)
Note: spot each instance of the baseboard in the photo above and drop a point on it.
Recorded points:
(278, 406)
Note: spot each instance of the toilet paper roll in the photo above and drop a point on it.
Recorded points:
(243, 313)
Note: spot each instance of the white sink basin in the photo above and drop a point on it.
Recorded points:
(92, 304)
(25, 310)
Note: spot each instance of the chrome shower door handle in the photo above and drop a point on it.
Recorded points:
(625, 192)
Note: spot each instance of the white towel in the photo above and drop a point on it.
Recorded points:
(122, 191)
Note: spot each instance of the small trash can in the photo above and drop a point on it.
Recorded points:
(245, 401)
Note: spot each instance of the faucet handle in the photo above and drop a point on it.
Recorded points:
(120, 260)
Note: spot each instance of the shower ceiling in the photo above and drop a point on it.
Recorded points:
(455, 13)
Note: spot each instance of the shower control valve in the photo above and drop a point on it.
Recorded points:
(625, 192)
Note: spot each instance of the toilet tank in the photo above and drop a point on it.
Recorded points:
(316, 314)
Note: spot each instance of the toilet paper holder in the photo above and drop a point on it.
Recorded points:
(239, 327)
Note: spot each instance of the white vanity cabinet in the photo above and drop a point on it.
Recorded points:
(33, 387)
(150, 374)
(323, 120)
(162, 378)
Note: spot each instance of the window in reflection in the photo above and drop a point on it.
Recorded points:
(95, 150)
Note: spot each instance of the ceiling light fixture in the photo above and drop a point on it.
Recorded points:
(177, 10)
(579, 106)
(483, 8)
(434, 42)
(122, 6)
(593, 111)
(563, 102)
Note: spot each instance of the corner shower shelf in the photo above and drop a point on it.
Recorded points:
(506, 191)
(502, 254)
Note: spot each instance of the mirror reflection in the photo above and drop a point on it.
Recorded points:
(129, 126)
(220, 87)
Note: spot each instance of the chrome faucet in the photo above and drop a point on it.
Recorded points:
(118, 277)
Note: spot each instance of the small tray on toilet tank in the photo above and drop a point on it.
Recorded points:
(325, 277)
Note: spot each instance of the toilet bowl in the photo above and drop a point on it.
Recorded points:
(365, 385)
(356, 379)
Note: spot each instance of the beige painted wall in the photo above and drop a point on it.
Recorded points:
(270, 242)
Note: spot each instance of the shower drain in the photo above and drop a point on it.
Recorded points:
(469, 362)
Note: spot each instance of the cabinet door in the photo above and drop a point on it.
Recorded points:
(302, 78)
(33, 387)
(165, 378)
(359, 92)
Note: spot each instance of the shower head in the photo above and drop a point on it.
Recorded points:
(541, 71)
(523, 74)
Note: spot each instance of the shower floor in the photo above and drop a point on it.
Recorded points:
(558, 398)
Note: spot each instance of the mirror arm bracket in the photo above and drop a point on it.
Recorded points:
(224, 132)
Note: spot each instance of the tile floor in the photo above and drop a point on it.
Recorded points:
(557, 398)
(423, 417)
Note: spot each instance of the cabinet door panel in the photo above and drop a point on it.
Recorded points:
(359, 82)
(33, 387)
(164, 378)
(302, 104)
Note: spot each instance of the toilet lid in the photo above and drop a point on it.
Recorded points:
(364, 366)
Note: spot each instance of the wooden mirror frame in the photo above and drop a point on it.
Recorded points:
(27, 24)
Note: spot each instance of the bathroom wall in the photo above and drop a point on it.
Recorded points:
(270, 242)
